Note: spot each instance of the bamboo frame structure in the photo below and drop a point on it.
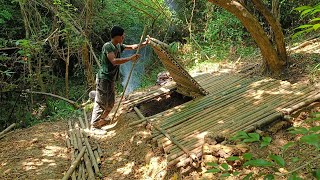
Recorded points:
(233, 102)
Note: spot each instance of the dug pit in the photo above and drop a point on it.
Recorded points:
(162, 103)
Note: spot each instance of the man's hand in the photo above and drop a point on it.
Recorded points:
(135, 57)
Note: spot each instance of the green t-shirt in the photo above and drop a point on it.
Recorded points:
(108, 70)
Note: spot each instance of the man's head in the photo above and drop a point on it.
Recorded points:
(117, 34)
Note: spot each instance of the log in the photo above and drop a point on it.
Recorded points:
(7, 129)
(74, 164)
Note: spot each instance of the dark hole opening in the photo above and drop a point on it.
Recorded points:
(162, 103)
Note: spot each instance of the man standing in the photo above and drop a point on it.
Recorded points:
(108, 74)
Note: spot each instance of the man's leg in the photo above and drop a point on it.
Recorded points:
(104, 101)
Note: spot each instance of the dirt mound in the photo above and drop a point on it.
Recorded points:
(38, 152)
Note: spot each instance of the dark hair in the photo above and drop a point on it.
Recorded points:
(116, 31)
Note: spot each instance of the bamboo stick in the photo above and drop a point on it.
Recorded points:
(99, 150)
(74, 164)
(89, 149)
(72, 145)
(96, 154)
(86, 119)
(2, 133)
(301, 104)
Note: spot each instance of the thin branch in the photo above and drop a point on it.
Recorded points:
(54, 95)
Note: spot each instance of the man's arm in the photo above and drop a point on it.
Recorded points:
(135, 46)
(117, 61)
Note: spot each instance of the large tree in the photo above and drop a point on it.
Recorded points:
(273, 51)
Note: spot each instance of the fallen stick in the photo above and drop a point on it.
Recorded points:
(7, 130)
(74, 164)
(56, 96)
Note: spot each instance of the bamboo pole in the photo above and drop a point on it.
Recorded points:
(86, 119)
(301, 104)
(88, 165)
(98, 159)
(89, 149)
(74, 164)
(7, 130)
(73, 151)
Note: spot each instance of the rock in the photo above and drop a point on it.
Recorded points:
(208, 159)
(206, 150)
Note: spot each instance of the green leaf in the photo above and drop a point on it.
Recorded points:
(225, 175)
(267, 139)
(236, 173)
(268, 177)
(286, 146)
(315, 129)
(233, 158)
(315, 19)
(264, 144)
(297, 34)
(247, 156)
(225, 166)
(212, 164)
(213, 171)
(258, 163)
(316, 26)
(316, 173)
(294, 176)
(295, 159)
(298, 130)
(240, 135)
(304, 26)
(248, 176)
(306, 12)
(312, 139)
(301, 8)
(278, 159)
(254, 137)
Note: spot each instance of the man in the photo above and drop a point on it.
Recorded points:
(108, 74)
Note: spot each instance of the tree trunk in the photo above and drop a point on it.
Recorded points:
(85, 49)
(273, 61)
(275, 26)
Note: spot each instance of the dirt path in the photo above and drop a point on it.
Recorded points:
(38, 152)
(127, 153)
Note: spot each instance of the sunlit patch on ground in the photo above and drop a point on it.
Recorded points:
(38, 152)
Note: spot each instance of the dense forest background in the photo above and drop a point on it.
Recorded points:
(54, 46)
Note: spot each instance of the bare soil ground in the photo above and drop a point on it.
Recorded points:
(38, 152)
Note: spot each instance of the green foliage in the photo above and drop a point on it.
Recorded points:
(251, 137)
(314, 23)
